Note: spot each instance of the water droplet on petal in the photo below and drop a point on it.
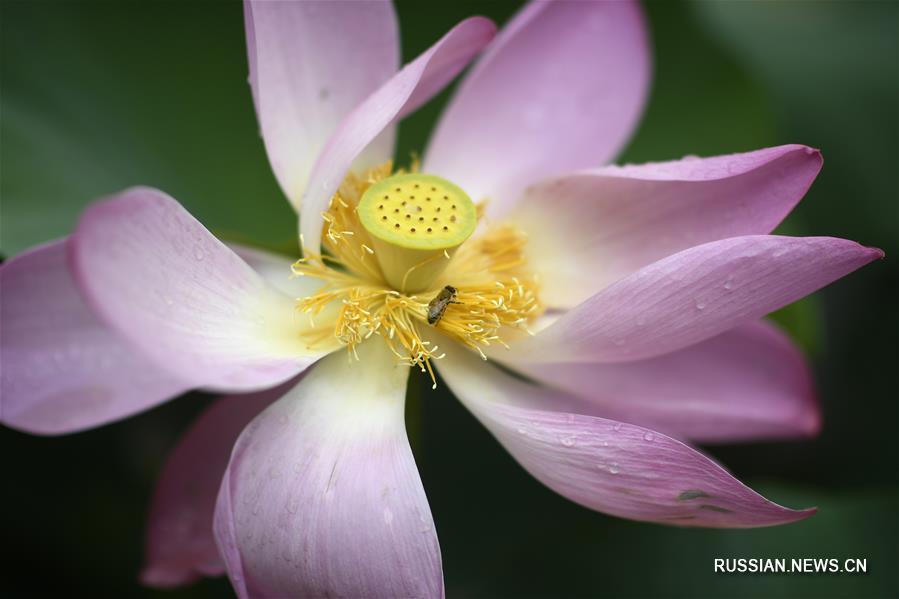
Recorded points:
(198, 253)
(648, 436)
(614, 468)
(617, 427)
(729, 283)
(700, 305)
(522, 430)
(568, 441)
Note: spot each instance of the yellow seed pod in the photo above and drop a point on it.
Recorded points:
(416, 222)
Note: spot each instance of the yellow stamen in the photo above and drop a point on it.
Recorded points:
(496, 291)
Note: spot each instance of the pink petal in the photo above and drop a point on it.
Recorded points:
(749, 383)
(616, 468)
(691, 296)
(322, 497)
(63, 370)
(409, 88)
(180, 545)
(561, 89)
(275, 270)
(160, 278)
(311, 63)
(619, 219)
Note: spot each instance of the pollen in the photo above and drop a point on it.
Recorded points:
(497, 292)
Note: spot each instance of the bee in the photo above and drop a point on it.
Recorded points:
(439, 304)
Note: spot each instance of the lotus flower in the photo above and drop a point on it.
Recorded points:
(624, 303)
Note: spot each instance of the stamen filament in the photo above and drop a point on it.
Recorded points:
(496, 292)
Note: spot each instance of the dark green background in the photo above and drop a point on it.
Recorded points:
(100, 96)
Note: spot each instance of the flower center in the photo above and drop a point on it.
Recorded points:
(399, 263)
(416, 222)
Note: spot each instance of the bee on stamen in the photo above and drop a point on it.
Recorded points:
(440, 303)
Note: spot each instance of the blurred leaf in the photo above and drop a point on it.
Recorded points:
(833, 69)
(703, 102)
(96, 99)
(802, 320)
